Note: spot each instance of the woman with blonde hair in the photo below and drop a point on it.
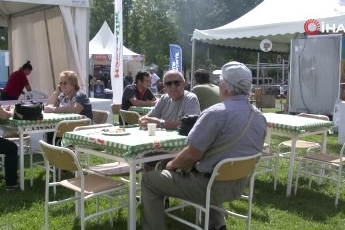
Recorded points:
(68, 97)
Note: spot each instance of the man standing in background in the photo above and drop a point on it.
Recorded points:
(154, 79)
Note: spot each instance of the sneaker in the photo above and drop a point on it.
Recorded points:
(12, 188)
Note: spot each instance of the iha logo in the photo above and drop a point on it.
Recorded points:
(313, 27)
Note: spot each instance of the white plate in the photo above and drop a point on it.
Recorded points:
(107, 133)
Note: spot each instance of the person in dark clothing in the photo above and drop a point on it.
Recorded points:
(138, 94)
(10, 150)
(128, 80)
(105, 79)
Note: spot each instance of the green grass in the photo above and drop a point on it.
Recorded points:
(310, 209)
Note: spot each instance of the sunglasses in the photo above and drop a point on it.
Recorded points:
(63, 83)
(170, 83)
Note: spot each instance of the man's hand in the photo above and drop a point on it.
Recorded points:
(170, 166)
(49, 109)
(144, 120)
(9, 108)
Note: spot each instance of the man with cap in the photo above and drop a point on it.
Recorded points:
(216, 125)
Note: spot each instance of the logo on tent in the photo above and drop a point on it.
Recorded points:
(314, 27)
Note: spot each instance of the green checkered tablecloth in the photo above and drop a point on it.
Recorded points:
(134, 144)
(295, 124)
(141, 110)
(48, 119)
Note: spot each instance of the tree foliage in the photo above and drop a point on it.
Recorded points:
(151, 25)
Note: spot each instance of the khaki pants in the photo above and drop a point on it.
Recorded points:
(158, 184)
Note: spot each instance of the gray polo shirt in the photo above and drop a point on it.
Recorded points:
(173, 110)
(224, 122)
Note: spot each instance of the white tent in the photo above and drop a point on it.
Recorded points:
(278, 20)
(52, 34)
(101, 48)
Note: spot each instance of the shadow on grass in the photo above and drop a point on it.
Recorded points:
(313, 204)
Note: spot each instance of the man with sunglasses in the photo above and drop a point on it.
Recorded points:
(171, 107)
(217, 125)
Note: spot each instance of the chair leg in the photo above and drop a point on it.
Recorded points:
(54, 180)
(46, 213)
(31, 170)
(297, 176)
(97, 207)
(276, 172)
(111, 213)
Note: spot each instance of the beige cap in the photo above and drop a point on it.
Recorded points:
(238, 75)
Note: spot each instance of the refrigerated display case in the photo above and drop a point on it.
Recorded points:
(315, 69)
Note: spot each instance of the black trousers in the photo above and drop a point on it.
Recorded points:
(10, 150)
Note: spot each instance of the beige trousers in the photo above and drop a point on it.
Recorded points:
(158, 184)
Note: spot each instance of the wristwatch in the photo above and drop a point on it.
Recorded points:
(162, 124)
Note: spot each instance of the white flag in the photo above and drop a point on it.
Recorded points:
(117, 58)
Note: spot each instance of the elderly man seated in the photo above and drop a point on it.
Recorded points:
(172, 106)
(216, 125)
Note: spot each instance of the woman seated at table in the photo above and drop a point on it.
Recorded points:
(10, 150)
(68, 98)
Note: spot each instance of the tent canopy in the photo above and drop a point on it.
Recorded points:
(277, 20)
(104, 43)
(52, 34)
(101, 48)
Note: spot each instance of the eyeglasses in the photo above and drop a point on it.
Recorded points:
(170, 83)
(63, 83)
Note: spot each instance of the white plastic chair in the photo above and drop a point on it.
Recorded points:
(60, 129)
(129, 117)
(100, 116)
(84, 186)
(227, 170)
(301, 144)
(268, 163)
(323, 166)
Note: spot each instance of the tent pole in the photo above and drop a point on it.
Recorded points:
(258, 70)
(87, 81)
(193, 64)
(49, 51)
(10, 49)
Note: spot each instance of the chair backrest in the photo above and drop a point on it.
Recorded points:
(130, 117)
(257, 94)
(67, 126)
(315, 116)
(93, 127)
(100, 116)
(115, 108)
(231, 169)
(60, 157)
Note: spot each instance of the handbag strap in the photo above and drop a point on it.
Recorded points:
(227, 145)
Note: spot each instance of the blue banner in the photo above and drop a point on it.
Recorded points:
(175, 61)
